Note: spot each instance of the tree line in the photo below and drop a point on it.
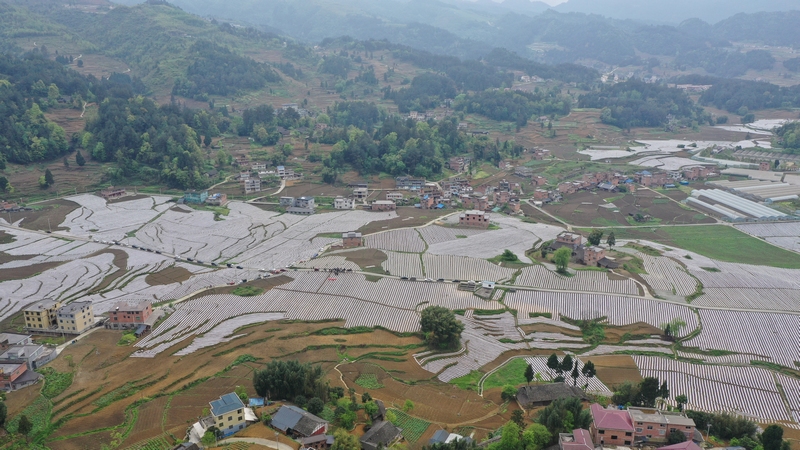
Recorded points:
(637, 104)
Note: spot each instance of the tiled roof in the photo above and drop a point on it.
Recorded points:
(611, 419)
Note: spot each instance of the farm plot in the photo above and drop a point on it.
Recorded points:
(539, 364)
(403, 264)
(749, 391)
(765, 336)
(583, 280)
(61, 283)
(462, 268)
(619, 310)
(330, 262)
(786, 235)
(515, 235)
(311, 296)
(666, 277)
(95, 217)
(435, 234)
(791, 386)
(413, 428)
(404, 240)
(224, 331)
(482, 348)
(770, 299)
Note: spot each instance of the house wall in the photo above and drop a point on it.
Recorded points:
(129, 318)
(231, 422)
(77, 322)
(611, 437)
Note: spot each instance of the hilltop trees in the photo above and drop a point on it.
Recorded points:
(290, 379)
(441, 328)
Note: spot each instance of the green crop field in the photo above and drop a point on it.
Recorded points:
(413, 428)
(719, 242)
(369, 381)
(512, 373)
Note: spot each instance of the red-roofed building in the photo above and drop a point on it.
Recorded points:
(579, 439)
(611, 426)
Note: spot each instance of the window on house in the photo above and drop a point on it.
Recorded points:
(613, 437)
(601, 431)
(628, 433)
(638, 430)
(627, 442)
(649, 427)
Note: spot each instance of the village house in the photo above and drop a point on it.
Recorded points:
(514, 205)
(129, 315)
(475, 201)
(657, 425)
(579, 439)
(567, 188)
(383, 205)
(352, 239)
(611, 426)
(540, 194)
(592, 255)
(8, 206)
(502, 197)
(318, 442)
(112, 193)
(299, 205)
(697, 172)
(15, 376)
(360, 193)
(8, 340)
(75, 318)
(382, 435)
(33, 355)
(537, 395)
(394, 196)
(218, 199)
(251, 185)
(409, 183)
(259, 167)
(567, 239)
(228, 412)
(524, 172)
(298, 423)
(474, 218)
(244, 176)
(540, 154)
(458, 163)
(538, 181)
(344, 203)
(42, 315)
(196, 197)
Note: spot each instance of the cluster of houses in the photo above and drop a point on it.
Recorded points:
(251, 181)
(593, 255)
(203, 197)
(10, 206)
(20, 356)
(612, 426)
(229, 415)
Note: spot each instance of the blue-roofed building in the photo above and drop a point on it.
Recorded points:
(228, 414)
(297, 422)
(439, 437)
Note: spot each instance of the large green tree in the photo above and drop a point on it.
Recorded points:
(535, 437)
(564, 415)
(772, 437)
(289, 379)
(595, 237)
(342, 440)
(441, 328)
(561, 259)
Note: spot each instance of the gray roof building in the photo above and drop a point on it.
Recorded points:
(544, 394)
(382, 433)
(297, 421)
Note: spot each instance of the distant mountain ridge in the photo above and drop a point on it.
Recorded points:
(675, 11)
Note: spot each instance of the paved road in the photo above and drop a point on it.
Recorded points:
(265, 442)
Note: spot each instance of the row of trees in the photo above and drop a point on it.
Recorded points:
(515, 106)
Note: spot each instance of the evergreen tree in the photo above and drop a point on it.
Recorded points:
(529, 374)
(612, 240)
(48, 177)
(566, 364)
(79, 159)
(553, 363)
(25, 426)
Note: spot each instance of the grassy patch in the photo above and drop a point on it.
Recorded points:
(540, 314)
(334, 331)
(413, 428)
(126, 339)
(719, 242)
(247, 291)
(710, 269)
(369, 381)
(55, 382)
(468, 381)
(513, 373)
